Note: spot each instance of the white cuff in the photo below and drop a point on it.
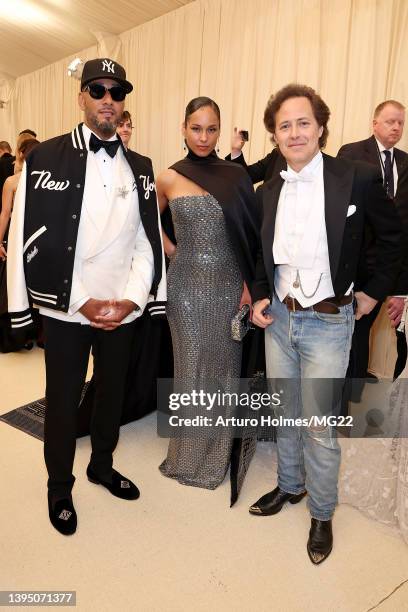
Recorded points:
(139, 297)
(73, 308)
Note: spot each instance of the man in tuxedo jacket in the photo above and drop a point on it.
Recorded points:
(85, 247)
(380, 150)
(314, 214)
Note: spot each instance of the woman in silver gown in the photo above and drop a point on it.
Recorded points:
(213, 211)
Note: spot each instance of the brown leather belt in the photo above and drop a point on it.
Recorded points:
(329, 306)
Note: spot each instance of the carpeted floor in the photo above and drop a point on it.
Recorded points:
(30, 417)
(178, 548)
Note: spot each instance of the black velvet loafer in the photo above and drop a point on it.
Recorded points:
(62, 515)
(320, 542)
(120, 486)
(273, 502)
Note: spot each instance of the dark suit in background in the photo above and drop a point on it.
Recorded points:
(263, 169)
(401, 203)
(367, 150)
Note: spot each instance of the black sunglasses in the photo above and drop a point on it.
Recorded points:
(98, 91)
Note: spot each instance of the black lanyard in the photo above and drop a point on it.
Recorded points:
(382, 161)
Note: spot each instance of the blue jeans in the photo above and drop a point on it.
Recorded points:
(302, 348)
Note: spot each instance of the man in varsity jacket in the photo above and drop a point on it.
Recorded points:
(85, 247)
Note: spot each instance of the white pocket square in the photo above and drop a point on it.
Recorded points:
(351, 210)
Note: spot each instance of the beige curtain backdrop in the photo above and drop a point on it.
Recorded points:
(354, 52)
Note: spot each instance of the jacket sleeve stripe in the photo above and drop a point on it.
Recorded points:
(38, 300)
(39, 294)
(156, 309)
(17, 325)
(20, 319)
(159, 307)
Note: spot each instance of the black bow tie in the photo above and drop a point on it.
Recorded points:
(110, 146)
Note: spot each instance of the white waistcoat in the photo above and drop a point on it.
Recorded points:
(300, 245)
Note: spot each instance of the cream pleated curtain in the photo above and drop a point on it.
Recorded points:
(354, 52)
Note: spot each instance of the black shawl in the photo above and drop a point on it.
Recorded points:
(231, 186)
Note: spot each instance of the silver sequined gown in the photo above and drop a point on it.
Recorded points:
(204, 290)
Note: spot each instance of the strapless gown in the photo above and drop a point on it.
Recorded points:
(204, 290)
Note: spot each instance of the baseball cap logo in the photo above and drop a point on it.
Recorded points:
(108, 65)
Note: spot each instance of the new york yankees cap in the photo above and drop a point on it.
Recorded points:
(104, 68)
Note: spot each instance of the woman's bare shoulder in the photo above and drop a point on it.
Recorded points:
(167, 177)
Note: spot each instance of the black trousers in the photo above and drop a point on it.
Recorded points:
(360, 344)
(358, 361)
(67, 348)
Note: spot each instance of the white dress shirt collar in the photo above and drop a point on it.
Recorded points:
(311, 169)
(381, 147)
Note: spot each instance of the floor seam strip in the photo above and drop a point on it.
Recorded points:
(388, 596)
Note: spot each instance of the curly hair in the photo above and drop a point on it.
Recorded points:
(320, 109)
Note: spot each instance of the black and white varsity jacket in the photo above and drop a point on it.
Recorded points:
(45, 221)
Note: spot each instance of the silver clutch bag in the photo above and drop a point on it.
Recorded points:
(240, 324)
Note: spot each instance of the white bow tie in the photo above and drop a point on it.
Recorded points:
(293, 177)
